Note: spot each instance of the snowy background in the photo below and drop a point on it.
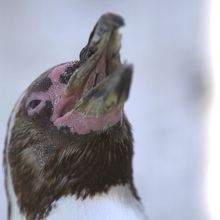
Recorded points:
(166, 42)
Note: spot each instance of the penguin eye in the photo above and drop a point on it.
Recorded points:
(34, 103)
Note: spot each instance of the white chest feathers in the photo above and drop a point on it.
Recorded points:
(117, 204)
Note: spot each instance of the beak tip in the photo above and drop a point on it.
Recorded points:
(115, 19)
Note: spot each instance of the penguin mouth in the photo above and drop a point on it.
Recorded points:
(101, 81)
(100, 86)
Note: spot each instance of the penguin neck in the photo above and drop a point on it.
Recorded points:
(118, 203)
(117, 199)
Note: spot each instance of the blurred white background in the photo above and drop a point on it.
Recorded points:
(167, 43)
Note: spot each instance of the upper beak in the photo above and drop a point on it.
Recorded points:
(114, 89)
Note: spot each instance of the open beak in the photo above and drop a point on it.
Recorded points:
(109, 94)
(112, 89)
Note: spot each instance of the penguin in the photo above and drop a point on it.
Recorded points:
(69, 145)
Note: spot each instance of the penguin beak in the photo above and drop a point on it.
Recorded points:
(112, 90)
(109, 94)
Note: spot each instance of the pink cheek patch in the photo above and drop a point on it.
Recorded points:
(76, 121)
(55, 94)
(60, 101)
(62, 107)
(81, 124)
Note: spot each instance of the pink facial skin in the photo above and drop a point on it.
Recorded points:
(82, 124)
(55, 94)
(63, 115)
